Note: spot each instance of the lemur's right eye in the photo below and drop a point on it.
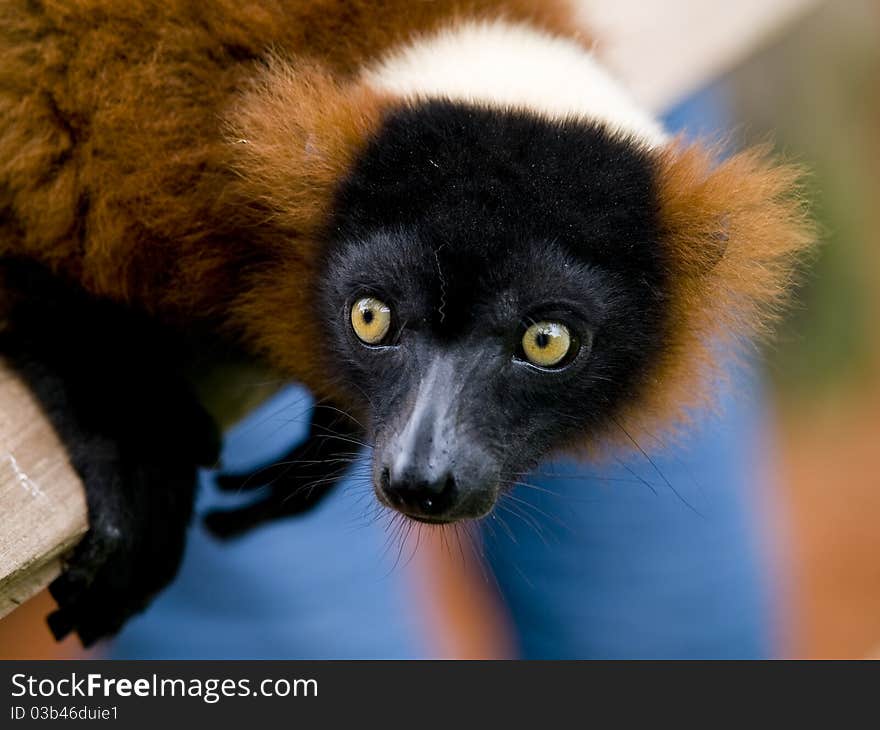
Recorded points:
(370, 320)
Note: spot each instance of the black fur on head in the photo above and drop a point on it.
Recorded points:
(472, 224)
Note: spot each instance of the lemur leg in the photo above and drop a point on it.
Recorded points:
(133, 431)
(299, 480)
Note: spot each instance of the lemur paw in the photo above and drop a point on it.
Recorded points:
(138, 519)
(111, 383)
(140, 486)
(293, 485)
(91, 597)
(298, 481)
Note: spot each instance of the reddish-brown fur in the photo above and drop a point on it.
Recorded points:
(735, 232)
(118, 123)
(182, 156)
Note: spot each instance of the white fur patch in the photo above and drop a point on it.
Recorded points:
(509, 66)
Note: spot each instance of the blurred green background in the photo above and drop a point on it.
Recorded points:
(816, 94)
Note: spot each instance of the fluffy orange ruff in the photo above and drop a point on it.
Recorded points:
(735, 233)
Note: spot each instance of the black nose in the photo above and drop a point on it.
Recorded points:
(420, 497)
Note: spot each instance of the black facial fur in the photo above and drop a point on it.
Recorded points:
(471, 224)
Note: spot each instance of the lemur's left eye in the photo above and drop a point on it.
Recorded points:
(547, 344)
(371, 320)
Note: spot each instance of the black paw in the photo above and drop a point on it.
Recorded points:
(283, 501)
(138, 516)
(93, 593)
(112, 383)
(140, 477)
(298, 481)
(295, 484)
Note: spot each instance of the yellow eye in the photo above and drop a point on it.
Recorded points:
(546, 344)
(370, 319)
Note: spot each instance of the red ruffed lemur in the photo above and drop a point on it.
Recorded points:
(444, 218)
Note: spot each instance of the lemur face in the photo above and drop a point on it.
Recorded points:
(494, 289)
(496, 254)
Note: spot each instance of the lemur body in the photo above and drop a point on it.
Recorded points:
(443, 217)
